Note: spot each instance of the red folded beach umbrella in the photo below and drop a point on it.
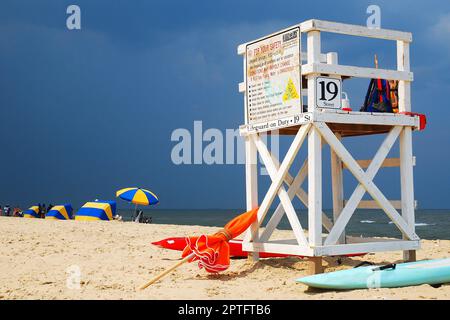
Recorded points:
(179, 243)
(212, 252)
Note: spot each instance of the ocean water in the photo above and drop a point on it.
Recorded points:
(430, 224)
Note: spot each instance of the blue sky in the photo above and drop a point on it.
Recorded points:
(84, 113)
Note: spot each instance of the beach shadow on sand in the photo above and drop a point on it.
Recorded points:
(285, 263)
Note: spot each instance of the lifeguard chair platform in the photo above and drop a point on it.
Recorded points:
(277, 74)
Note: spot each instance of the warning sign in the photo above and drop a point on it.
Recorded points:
(291, 92)
(273, 81)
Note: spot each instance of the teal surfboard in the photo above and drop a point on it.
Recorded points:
(389, 276)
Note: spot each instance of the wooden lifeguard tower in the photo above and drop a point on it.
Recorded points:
(277, 74)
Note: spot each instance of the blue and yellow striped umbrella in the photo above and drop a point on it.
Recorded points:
(63, 212)
(137, 196)
(33, 212)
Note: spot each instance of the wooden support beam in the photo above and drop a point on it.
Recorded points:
(354, 30)
(371, 204)
(409, 256)
(407, 183)
(388, 162)
(404, 85)
(251, 187)
(314, 54)
(337, 187)
(315, 265)
(314, 188)
(358, 72)
(378, 245)
(406, 163)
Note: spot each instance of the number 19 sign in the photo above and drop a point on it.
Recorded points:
(328, 93)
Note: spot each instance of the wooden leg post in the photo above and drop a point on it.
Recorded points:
(337, 188)
(407, 186)
(315, 197)
(251, 184)
(315, 265)
(406, 156)
(409, 256)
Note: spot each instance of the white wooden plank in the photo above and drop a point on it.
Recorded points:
(337, 187)
(354, 30)
(293, 249)
(380, 246)
(371, 204)
(404, 87)
(407, 181)
(313, 54)
(365, 118)
(353, 71)
(387, 163)
(314, 47)
(363, 245)
(367, 183)
(251, 186)
(314, 188)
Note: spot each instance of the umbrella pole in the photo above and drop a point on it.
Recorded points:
(134, 213)
(167, 271)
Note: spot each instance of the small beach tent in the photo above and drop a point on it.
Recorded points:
(33, 212)
(63, 212)
(97, 210)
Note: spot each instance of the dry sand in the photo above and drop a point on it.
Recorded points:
(116, 257)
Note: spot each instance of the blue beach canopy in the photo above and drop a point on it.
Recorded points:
(32, 212)
(62, 212)
(97, 210)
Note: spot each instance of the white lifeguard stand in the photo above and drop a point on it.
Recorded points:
(330, 125)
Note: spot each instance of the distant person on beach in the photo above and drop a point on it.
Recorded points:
(147, 220)
(18, 212)
(1, 210)
(7, 210)
(42, 211)
(50, 206)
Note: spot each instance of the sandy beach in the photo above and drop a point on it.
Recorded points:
(116, 257)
